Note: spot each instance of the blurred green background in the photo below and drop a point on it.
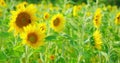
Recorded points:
(106, 2)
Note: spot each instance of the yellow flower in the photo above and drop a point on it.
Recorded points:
(57, 22)
(76, 9)
(2, 3)
(97, 39)
(21, 5)
(97, 18)
(46, 15)
(79, 7)
(67, 6)
(117, 19)
(32, 36)
(43, 27)
(21, 18)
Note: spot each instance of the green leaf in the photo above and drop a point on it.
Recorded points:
(19, 48)
(51, 37)
(92, 41)
(60, 60)
(2, 56)
(4, 34)
(117, 38)
(16, 60)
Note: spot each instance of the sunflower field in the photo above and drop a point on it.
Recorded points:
(59, 31)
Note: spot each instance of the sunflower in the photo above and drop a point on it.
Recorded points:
(97, 39)
(43, 27)
(21, 5)
(97, 18)
(117, 19)
(21, 18)
(76, 9)
(46, 15)
(32, 36)
(57, 22)
(2, 3)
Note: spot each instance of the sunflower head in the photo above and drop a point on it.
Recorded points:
(97, 18)
(43, 27)
(97, 39)
(79, 7)
(58, 22)
(75, 11)
(32, 36)
(117, 19)
(21, 18)
(2, 3)
(46, 15)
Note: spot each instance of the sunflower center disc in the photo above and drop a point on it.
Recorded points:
(118, 19)
(46, 16)
(23, 19)
(42, 28)
(56, 22)
(96, 20)
(32, 37)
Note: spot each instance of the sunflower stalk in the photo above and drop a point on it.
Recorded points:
(97, 2)
(16, 40)
(26, 55)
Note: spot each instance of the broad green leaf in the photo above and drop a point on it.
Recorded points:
(51, 37)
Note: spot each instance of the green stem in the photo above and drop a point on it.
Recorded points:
(97, 3)
(99, 57)
(26, 55)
